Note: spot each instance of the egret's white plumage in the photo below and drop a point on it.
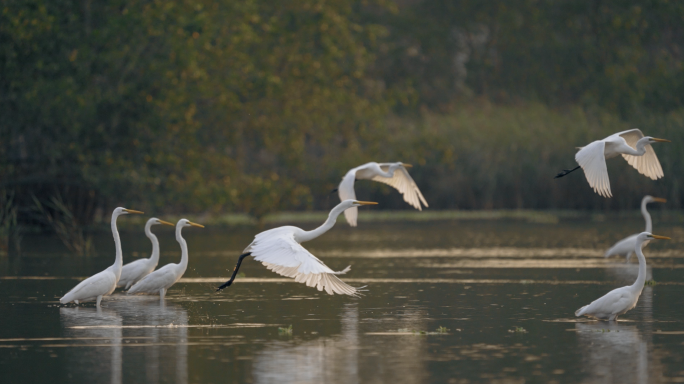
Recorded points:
(392, 174)
(103, 283)
(163, 278)
(132, 272)
(280, 250)
(620, 300)
(631, 144)
(625, 247)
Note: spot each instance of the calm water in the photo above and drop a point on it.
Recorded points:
(505, 291)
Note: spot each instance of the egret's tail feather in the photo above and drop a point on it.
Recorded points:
(580, 312)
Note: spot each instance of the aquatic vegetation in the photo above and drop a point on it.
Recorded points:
(285, 331)
(517, 330)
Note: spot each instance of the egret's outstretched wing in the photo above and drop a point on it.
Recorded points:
(346, 192)
(163, 277)
(648, 164)
(284, 256)
(593, 161)
(403, 182)
(96, 285)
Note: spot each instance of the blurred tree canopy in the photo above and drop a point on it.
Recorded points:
(258, 105)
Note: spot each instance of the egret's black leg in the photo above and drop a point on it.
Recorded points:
(333, 191)
(566, 171)
(235, 271)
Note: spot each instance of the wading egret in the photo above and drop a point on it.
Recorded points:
(104, 283)
(136, 270)
(280, 250)
(625, 247)
(632, 145)
(392, 174)
(163, 278)
(620, 300)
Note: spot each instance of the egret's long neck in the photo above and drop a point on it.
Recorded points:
(329, 223)
(641, 278)
(184, 248)
(647, 216)
(155, 244)
(390, 171)
(118, 263)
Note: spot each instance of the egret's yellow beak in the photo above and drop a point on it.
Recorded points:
(660, 237)
(407, 165)
(165, 223)
(366, 203)
(195, 224)
(661, 140)
(659, 200)
(133, 211)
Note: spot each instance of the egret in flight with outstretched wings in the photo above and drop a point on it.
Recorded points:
(392, 174)
(632, 145)
(163, 278)
(618, 301)
(280, 250)
(625, 247)
(132, 272)
(103, 283)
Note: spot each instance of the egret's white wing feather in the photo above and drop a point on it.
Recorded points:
(403, 182)
(612, 304)
(132, 272)
(593, 161)
(102, 283)
(163, 277)
(285, 256)
(648, 164)
(346, 192)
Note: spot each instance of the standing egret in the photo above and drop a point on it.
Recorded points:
(280, 250)
(103, 283)
(392, 174)
(631, 144)
(625, 247)
(136, 270)
(163, 278)
(620, 300)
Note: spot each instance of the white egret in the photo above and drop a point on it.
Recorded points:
(631, 144)
(280, 250)
(625, 247)
(392, 174)
(132, 272)
(103, 283)
(163, 278)
(620, 300)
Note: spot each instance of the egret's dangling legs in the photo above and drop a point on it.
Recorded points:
(566, 171)
(235, 271)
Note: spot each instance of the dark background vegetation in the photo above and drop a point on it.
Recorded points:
(258, 106)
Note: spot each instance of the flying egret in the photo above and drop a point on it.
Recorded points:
(392, 174)
(620, 300)
(625, 247)
(280, 250)
(136, 270)
(163, 278)
(103, 283)
(631, 144)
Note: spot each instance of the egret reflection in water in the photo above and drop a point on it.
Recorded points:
(100, 328)
(138, 333)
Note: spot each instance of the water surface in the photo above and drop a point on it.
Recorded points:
(446, 302)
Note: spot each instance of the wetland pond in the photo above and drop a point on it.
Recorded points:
(472, 301)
